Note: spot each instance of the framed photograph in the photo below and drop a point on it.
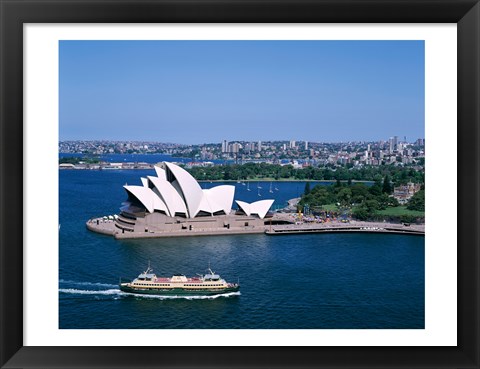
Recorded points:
(334, 254)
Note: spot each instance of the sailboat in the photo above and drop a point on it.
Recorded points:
(271, 188)
(258, 185)
(259, 191)
(248, 186)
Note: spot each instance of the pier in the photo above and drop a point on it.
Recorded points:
(338, 227)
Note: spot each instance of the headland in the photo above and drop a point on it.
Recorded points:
(173, 204)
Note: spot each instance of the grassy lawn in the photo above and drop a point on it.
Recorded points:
(328, 207)
(399, 211)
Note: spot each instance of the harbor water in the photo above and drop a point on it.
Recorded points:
(309, 281)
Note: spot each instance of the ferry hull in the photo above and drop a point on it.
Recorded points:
(178, 291)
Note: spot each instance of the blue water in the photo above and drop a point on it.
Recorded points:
(302, 281)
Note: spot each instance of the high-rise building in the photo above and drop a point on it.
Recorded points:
(306, 145)
(235, 147)
(390, 145)
(259, 148)
(292, 144)
(225, 146)
(420, 142)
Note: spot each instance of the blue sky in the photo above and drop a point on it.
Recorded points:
(197, 92)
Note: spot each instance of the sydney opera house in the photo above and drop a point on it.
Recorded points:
(173, 203)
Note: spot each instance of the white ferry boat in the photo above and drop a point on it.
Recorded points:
(207, 284)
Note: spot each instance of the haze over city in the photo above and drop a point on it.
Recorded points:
(195, 92)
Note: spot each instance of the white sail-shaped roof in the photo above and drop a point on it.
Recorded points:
(169, 195)
(190, 189)
(143, 194)
(259, 207)
(159, 204)
(176, 192)
(220, 197)
(207, 206)
(160, 172)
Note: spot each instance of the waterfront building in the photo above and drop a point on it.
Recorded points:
(173, 201)
(174, 192)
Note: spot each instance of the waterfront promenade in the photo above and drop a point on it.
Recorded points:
(353, 226)
(107, 227)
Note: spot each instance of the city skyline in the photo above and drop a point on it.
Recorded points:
(195, 92)
(394, 151)
(290, 142)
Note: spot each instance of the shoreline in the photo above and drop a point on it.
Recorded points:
(351, 227)
(108, 228)
(282, 180)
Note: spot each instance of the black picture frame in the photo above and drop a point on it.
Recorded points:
(15, 13)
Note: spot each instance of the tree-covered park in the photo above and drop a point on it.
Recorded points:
(272, 172)
(346, 196)
(362, 202)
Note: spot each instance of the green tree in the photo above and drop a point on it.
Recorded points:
(372, 206)
(387, 186)
(417, 202)
(408, 218)
(344, 196)
(307, 188)
(376, 188)
(359, 192)
(360, 212)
